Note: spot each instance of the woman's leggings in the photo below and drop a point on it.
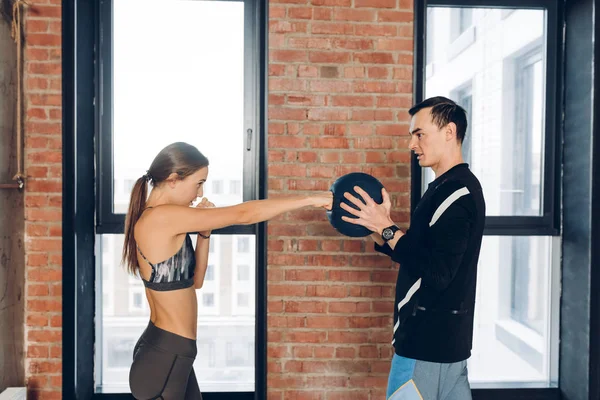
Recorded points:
(162, 367)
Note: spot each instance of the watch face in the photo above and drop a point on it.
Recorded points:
(387, 234)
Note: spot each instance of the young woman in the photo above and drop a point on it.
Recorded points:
(159, 248)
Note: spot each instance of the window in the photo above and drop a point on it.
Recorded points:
(243, 245)
(210, 273)
(505, 82)
(208, 300)
(235, 187)
(430, 39)
(464, 98)
(239, 354)
(243, 277)
(128, 185)
(136, 299)
(243, 299)
(217, 187)
(243, 272)
(205, 92)
(119, 352)
(461, 21)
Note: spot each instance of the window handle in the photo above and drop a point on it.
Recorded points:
(248, 139)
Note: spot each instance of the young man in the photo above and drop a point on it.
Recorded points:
(438, 255)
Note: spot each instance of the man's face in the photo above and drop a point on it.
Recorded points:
(427, 141)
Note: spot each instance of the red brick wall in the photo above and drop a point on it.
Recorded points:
(340, 84)
(339, 89)
(43, 198)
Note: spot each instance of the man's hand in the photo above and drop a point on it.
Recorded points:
(373, 216)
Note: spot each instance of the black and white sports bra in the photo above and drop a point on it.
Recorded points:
(176, 272)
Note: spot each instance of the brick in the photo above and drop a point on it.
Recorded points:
(275, 12)
(285, 84)
(374, 87)
(278, 113)
(372, 115)
(46, 68)
(350, 14)
(43, 215)
(36, 142)
(326, 291)
(308, 71)
(300, 12)
(395, 44)
(45, 367)
(332, 157)
(345, 352)
(43, 11)
(44, 128)
(288, 56)
(36, 230)
(374, 58)
(37, 351)
(36, 381)
(37, 113)
(375, 3)
(394, 16)
(37, 320)
(45, 99)
(329, 71)
(334, 3)
(330, 57)
(376, 30)
(324, 14)
(44, 39)
(44, 305)
(353, 101)
(354, 72)
(332, 28)
(305, 307)
(330, 86)
(378, 72)
(323, 114)
(45, 275)
(44, 336)
(306, 100)
(309, 43)
(35, 290)
(286, 26)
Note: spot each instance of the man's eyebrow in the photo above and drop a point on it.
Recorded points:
(417, 130)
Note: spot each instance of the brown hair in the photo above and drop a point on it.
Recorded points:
(443, 111)
(180, 158)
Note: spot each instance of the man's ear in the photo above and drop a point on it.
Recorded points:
(451, 131)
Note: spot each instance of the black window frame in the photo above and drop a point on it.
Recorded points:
(81, 141)
(548, 223)
(107, 221)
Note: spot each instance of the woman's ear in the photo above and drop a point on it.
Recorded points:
(172, 179)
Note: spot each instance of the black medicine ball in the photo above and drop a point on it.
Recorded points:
(345, 184)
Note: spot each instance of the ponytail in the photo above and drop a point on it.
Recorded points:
(137, 204)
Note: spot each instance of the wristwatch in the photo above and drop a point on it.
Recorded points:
(388, 233)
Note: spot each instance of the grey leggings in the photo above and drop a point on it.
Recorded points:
(162, 367)
(421, 380)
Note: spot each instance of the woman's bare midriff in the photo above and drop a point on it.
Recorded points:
(175, 311)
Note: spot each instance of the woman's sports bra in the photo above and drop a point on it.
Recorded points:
(177, 272)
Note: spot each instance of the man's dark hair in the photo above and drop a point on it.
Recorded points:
(443, 111)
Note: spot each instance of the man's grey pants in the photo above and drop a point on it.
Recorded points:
(421, 380)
